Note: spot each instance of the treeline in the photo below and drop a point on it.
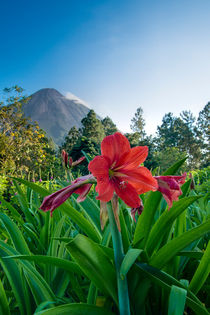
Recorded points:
(26, 151)
(176, 138)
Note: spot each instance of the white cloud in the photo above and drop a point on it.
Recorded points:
(76, 99)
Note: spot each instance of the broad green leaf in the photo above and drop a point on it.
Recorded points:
(129, 260)
(49, 260)
(83, 223)
(94, 263)
(15, 234)
(165, 222)
(165, 281)
(76, 309)
(202, 272)
(39, 287)
(92, 294)
(177, 301)
(17, 282)
(144, 223)
(88, 213)
(40, 190)
(93, 210)
(168, 251)
(174, 168)
(13, 211)
(124, 231)
(24, 205)
(191, 254)
(4, 306)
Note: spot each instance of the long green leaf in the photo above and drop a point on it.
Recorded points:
(24, 205)
(76, 309)
(39, 287)
(40, 190)
(202, 272)
(174, 168)
(165, 222)
(69, 266)
(165, 281)
(168, 251)
(191, 254)
(94, 263)
(124, 231)
(15, 234)
(129, 260)
(93, 210)
(15, 278)
(177, 300)
(4, 306)
(144, 223)
(13, 211)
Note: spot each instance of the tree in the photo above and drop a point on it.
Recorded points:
(109, 126)
(167, 157)
(133, 138)
(181, 133)
(24, 147)
(71, 139)
(203, 130)
(138, 123)
(92, 127)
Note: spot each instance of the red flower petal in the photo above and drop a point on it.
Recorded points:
(99, 166)
(134, 158)
(83, 191)
(104, 189)
(54, 200)
(169, 186)
(114, 146)
(127, 193)
(141, 179)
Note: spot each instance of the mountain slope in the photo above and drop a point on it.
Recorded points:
(55, 113)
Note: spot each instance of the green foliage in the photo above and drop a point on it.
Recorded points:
(3, 184)
(138, 123)
(204, 133)
(23, 145)
(92, 127)
(181, 133)
(66, 263)
(202, 179)
(167, 156)
(109, 127)
(71, 139)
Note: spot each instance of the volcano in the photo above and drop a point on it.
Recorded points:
(55, 113)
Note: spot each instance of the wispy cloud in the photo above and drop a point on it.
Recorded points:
(76, 99)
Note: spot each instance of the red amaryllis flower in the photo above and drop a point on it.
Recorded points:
(169, 186)
(65, 157)
(81, 186)
(71, 163)
(118, 169)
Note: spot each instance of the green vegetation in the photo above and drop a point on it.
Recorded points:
(68, 264)
(64, 263)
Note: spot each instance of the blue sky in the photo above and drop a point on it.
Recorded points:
(116, 55)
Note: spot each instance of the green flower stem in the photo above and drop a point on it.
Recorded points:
(123, 297)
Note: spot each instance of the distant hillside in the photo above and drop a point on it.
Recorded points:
(55, 113)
